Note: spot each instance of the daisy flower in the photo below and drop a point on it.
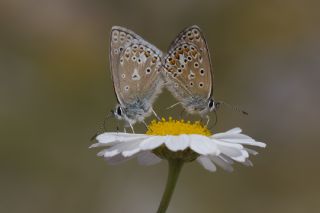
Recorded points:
(178, 142)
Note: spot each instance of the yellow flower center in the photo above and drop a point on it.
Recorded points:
(176, 127)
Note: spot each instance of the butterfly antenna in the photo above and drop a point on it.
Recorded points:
(215, 120)
(105, 120)
(103, 126)
(232, 107)
(173, 105)
(216, 117)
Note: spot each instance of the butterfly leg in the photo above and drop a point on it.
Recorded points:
(145, 124)
(94, 136)
(131, 128)
(155, 114)
(215, 121)
(118, 126)
(181, 113)
(208, 120)
(170, 107)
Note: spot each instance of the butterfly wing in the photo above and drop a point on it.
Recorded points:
(188, 66)
(135, 66)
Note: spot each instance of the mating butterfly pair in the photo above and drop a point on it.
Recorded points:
(140, 70)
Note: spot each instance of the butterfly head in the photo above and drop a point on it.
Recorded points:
(118, 112)
(213, 105)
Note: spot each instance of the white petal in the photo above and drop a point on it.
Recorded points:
(251, 151)
(148, 158)
(101, 153)
(110, 153)
(118, 159)
(152, 142)
(247, 162)
(130, 148)
(233, 131)
(222, 163)
(131, 152)
(203, 145)
(237, 138)
(110, 137)
(176, 143)
(207, 163)
(126, 148)
(234, 153)
(223, 143)
(250, 142)
(95, 145)
(226, 158)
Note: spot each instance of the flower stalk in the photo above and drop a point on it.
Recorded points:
(175, 166)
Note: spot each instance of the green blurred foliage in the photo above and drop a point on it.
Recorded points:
(55, 91)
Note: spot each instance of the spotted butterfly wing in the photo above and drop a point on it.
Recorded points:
(188, 69)
(135, 69)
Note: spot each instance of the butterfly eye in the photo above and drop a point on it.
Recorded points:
(211, 103)
(119, 111)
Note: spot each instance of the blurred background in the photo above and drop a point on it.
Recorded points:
(55, 90)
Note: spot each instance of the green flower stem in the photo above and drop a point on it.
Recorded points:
(174, 171)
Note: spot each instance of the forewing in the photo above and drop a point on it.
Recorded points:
(188, 65)
(135, 67)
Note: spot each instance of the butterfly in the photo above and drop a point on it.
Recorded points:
(136, 74)
(189, 72)
(189, 75)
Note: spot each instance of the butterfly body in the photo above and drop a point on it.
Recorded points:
(133, 112)
(198, 105)
(136, 75)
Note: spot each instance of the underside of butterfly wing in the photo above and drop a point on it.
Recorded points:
(136, 74)
(188, 70)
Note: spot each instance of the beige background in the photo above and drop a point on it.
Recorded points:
(55, 90)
